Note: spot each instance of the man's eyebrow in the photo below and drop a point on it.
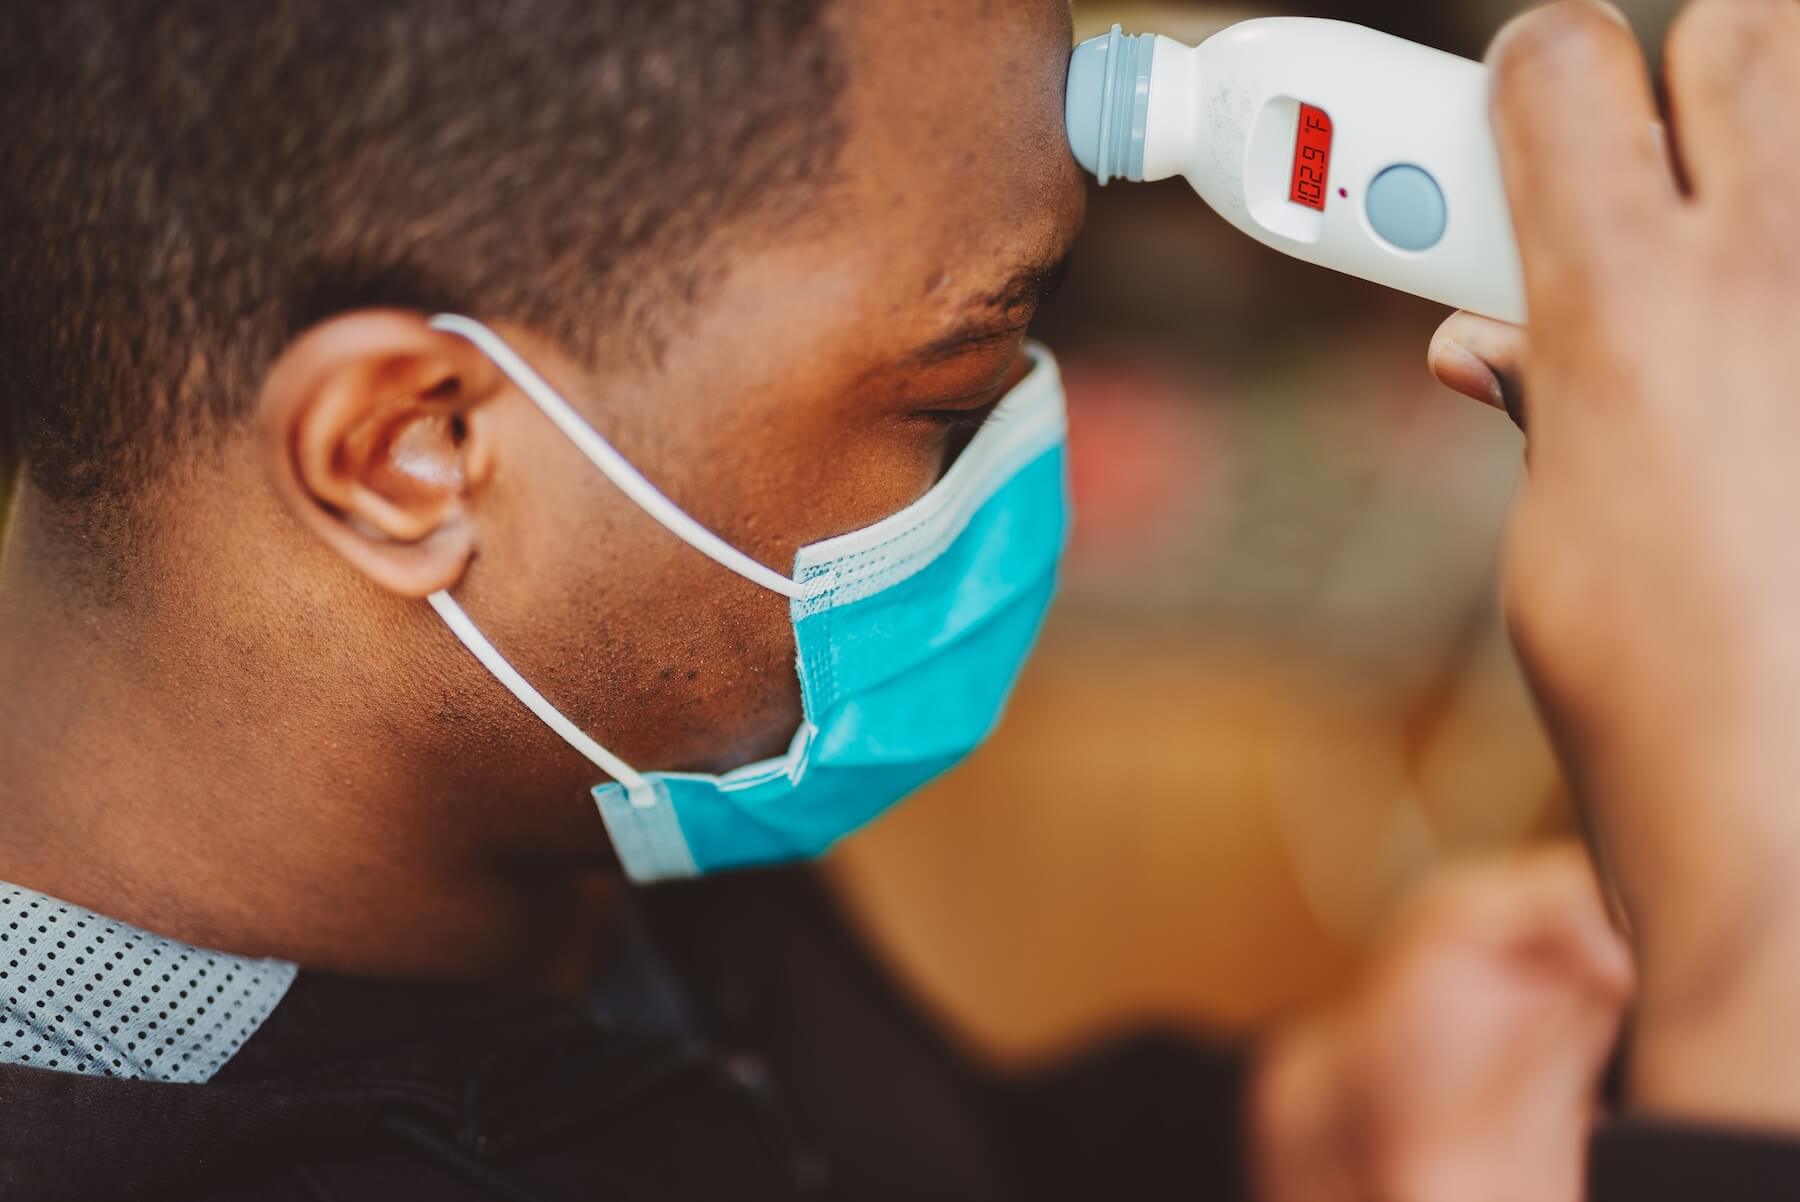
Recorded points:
(997, 316)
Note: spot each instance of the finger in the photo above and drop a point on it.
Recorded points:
(1560, 904)
(1482, 359)
(1575, 117)
(1542, 906)
(1731, 66)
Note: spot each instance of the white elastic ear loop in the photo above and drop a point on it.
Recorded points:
(636, 787)
(614, 465)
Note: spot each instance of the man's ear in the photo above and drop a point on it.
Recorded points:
(375, 438)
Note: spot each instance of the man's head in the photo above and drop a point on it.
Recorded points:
(208, 181)
(776, 250)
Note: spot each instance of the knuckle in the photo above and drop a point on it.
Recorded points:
(1532, 624)
(1554, 605)
(1560, 40)
(1542, 597)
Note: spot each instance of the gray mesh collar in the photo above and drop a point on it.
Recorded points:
(84, 994)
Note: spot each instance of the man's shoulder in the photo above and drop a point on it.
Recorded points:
(378, 1090)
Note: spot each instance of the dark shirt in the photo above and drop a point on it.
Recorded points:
(747, 1048)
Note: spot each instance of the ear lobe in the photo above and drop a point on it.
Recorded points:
(375, 439)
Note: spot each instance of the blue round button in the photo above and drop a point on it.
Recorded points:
(1406, 207)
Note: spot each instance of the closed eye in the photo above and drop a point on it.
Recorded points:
(960, 419)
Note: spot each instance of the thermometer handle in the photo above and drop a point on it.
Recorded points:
(1333, 143)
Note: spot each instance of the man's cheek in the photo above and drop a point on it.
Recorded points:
(746, 693)
(834, 482)
(703, 660)
(714, 672)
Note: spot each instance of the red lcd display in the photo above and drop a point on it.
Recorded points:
(1312, 159)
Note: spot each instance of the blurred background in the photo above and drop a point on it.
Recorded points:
(1276, 689)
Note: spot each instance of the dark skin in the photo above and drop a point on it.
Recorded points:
(271, 746)
(267, 743)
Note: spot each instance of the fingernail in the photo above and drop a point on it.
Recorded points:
(1506, 34)
(1614, 11)
(1530, 15)
(1469, 374)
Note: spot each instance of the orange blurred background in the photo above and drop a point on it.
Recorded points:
(1276, 689)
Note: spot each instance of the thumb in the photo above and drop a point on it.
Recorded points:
(1483, 359)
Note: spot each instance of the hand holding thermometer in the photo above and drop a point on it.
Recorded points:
(1327, 141)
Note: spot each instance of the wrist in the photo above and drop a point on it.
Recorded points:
(1714, 1036)
(1729, 1054)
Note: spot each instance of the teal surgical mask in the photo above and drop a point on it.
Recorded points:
(909, 633)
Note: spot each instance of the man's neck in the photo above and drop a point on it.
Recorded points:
(153, 777)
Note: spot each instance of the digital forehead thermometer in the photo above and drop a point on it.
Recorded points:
(1327, 141)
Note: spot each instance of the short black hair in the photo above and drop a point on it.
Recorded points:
(187, 184)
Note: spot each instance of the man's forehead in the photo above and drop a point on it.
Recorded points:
(963, 97)
(956, 164)
(949, 207)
